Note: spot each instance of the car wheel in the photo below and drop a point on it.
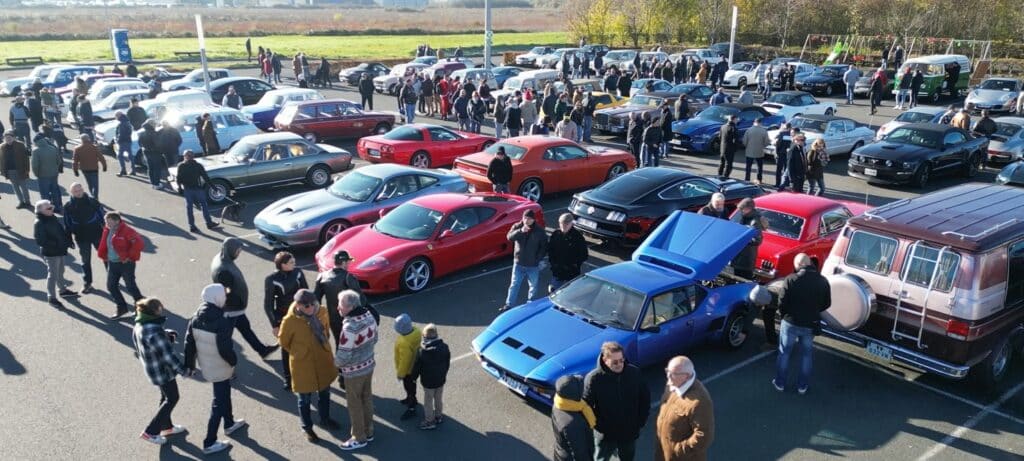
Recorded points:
(935, 96)
(615, 171)
(332, 229)
(715, 146)
(486, 145)
(735, 332)
(531, 189)
(991, 371)
(391, 89)
(972, 165)
(318, 176)
(829, 90)
(416, 275)
(420, 160)
(923, 176)
(857, 146)
(311, 137)
(743, 82)
(382, 128)
(217, 191)
(829, 111)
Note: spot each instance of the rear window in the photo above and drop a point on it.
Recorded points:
(871, 252)
(629, 187)
(919, 268)
(513, 152)
(783, 224)
(915, 117)
(404, 133)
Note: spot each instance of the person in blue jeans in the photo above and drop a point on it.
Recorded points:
(191, 178)
(124, 143)
(804, 295)
(530, 248)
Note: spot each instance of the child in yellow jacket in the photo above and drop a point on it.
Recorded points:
(406, 347)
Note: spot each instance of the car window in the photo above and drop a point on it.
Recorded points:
(849, 126)
(219, 121)
(833, 220)
(121, 103)
(441, 134)
(427, 181)
(465, 219)
(806, 100)
(306, 112)
(350, 110)
(399, 186)
(604, 99)
(673, 304)
(563, 153)
(1015, 275)
(918, 270)
(953, 137)
(871, 252)
(276, 152)
(235, 120)
(704, 92)
(328, 110)
(749, 115)
(696, 188)
(298, 149)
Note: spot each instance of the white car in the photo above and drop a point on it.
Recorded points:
(389, 83)
(919, 114)
(155, 109)
(118, 101)
(194, 79)
(740, 75)
(842, 135)
(800, 69)
(621, 59)
(530, 58)
(12, 86)
(553, 59)
(640, 85)
(106, 87)
(789, 104)
(231, 126)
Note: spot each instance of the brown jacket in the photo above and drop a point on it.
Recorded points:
(686, 425)
(21, 161)
(209, 135)
(87, 157)
(312, 363)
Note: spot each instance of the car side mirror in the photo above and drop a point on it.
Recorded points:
(653, 329)
(447, 233)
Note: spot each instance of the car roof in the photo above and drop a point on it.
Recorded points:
(272, 137)
(292, 91)
(449, 201)
(325, 101)
(739, 106)
(532, 141)
(796, 204)
(792, 93)
(824, 118)
(1010, 120)
(927, 109)
(661, 94)
(641, 276)
(936, 58)
(229, 80)
(193, 111)
(387, 170)
(933, 127)
(972, 217)
(1007, 79)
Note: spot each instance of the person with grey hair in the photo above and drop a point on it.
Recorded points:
(716, 207)
(83, 221)
(354, 358)
(53, 245)
(567, 251)
(685, 425)
(803, 296)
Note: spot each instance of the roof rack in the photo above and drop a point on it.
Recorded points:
(873, 214)
(983, 233)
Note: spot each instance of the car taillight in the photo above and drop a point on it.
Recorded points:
(957, 329)
(387, 149)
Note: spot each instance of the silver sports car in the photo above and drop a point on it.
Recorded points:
(359, 197)
(995, 95)
(1007, 143)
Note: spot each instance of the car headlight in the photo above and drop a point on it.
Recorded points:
(888, 163)
(617, 216)
(1006, 97)
(1002, 178)
(294, 226)
(909, 165)
(376, 262)
(471, 189)
(702, 136)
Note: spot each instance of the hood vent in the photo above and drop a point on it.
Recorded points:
(513, 343)
(533, 353)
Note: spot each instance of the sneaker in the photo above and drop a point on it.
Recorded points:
(121, 173)
(217, 447)
(503, 308)
(120, 313)
(311, 436)
(4, 226)
(408, 414)
(66, 293)
(369, 438)
(330, 424)
(174, 430)
(801, 390)
(87, 289)
(154, 439)
(428, 425)
(212, 225)
(55, 303)
(439, 419)
(193, 229)
(352, 444)
(778, 386)
(239, 423)
(270, 350)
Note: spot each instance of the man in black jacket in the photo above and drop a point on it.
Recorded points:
(782, 141)
(225, 272)
(366, 91)
(431, 367)
(136, 114)
(729, 141)
(329, 284)
(499, 172)
(192, 180)
(168, 141)
(747, 215)
(804, 295)
(567, 251)
(83, 221)
(621, 401)
(530, 249)
(635, 136)
(53, 245)
(611, 82)
(625, 83)
(796, 164)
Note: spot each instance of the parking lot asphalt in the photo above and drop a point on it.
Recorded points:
(73, 388)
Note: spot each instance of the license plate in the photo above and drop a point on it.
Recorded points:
(600, 127)
(675, 142)
(871, 172)
(516, 386)
(583, 222)
(880, 351)
(373, 152)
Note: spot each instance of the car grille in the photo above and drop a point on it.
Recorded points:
(601, 119)
(683, 138)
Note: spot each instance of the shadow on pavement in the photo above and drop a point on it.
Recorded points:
(10, 364)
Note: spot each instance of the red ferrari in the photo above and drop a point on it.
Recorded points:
(428, 237)
(799, 223)
(420, 145)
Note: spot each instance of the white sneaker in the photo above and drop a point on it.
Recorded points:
(217, 446)
(174, 430)
(154, 439)
(239, 423)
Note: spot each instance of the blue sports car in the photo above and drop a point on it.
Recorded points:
(674, 294)
(700, 133)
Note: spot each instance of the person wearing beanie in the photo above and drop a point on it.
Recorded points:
(354, 358)
(686, 421)
(154, 346)
(406, 346)
(530, 248)
(208, 343)
(224, 270)
(305, 335)
(431, 367)
(572, 420)
(499, 172)
(279, 289)
(53, 245)
(329, 284)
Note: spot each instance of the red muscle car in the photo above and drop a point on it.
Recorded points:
(426, 238)
(420, 145)
(546, 164)
(331, 119)
(799, 223)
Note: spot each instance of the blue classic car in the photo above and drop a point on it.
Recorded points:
(263, 112)
(700, 133)
(674, 294)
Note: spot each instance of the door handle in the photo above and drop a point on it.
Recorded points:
(287, 164)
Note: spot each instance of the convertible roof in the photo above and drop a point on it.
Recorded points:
(695, 246)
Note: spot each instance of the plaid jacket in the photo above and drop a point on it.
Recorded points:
(156, 353)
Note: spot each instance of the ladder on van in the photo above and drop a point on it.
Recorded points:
(906, 311)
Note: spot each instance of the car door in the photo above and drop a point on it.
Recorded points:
(446, 146)
(835, 137)
(329, 122)
(668, 324)
(464, 237)
(262, 164)
(691, 194)
(745, 119)
(575, 168)
(953, 153)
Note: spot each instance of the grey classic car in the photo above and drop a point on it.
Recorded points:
(271, 158)
(994, 95)
(359, 197)
(616, 119)
(1007, 143)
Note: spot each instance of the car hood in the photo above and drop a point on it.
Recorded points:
(735, 73)
(16, 82)
(990, 96)
(362, 243)
(215, 162)
(1007, 173)
(894, 151)
(623, 110)
(694, 125)
(257, 108)
(683, 243)
(304, 207)
(106, 126)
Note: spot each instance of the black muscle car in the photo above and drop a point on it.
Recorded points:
(912, 153)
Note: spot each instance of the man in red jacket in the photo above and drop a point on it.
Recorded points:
(120, 248)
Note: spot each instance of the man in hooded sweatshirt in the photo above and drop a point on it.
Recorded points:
(621, 401)
(573, 421)
(406, 346)
(433, 360)
(226, 272)
(208, 342)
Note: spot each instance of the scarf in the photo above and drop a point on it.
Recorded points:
(685, 387)
(314, 324)
(144, 318)
(577, 406)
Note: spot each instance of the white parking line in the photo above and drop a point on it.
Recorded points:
(959, 432)
(727, 371)
(463, 356)
(448, 284)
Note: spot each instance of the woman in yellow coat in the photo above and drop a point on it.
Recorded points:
(305, 333)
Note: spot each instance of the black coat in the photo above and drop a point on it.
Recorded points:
(985, 127)
(168, 140)
(567, 252)
(365, 86)
(625, 83)
(500, 171)
(804, 296)
(666, 126)
(730, 139)
(635, 133)
(514, 118)
(83, 218)
(550, 101)
(51, 236)
(796, 163)
(574, 439)
(621, 401)
(432, 363)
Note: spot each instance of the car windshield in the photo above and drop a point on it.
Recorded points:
(600, 301)
(409, 222)
(288, 112)
(831, 71)
(783, 224)
(784, 99)
(619, 55)
(806, 124)
(513, 84)
(999, 85)
(921, 138)
(1007, 129)
(537, 50)
(355, 186)
(718, 113)
(241, 151)
(744, 66)
(644, 100)
(915, 117)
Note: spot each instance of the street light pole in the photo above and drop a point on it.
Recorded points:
(202, 51)
(488, 34)
(732, 35)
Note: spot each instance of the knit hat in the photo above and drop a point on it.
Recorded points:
(304, 297)
(403, 324)
(528, 214)
(341, 256)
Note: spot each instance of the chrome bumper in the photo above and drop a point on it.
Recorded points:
(902, 354)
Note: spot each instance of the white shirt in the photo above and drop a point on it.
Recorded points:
(685, 387)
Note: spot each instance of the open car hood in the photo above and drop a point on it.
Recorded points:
(694, 245)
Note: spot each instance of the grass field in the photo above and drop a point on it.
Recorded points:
(360, 47)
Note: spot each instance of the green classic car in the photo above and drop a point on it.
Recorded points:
(271, 158)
